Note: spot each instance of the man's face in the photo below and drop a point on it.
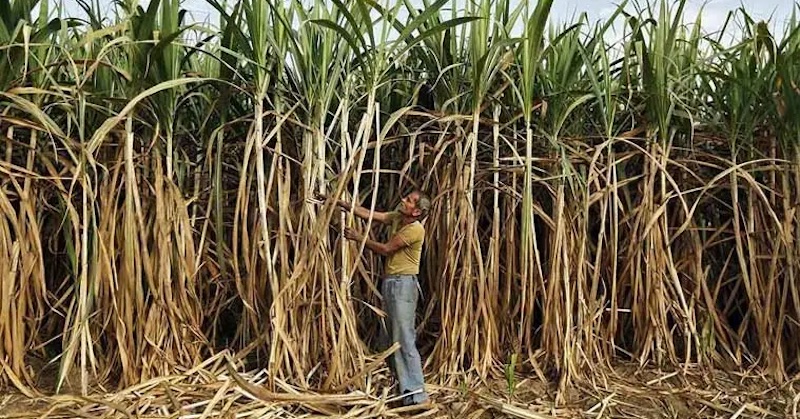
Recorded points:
(408, 205)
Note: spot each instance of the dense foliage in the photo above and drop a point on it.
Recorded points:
(594, 200)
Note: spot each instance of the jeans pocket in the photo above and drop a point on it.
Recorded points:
(406, 291)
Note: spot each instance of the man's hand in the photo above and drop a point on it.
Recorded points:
(351, 234)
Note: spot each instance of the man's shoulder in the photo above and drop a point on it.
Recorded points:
(416, 228)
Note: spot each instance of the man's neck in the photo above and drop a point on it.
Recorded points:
(406, 220)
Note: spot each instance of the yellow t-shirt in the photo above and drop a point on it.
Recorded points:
(406, 260)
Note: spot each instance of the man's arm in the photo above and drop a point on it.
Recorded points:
(361, 212)
(383, 249)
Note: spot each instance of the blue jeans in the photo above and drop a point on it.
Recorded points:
(400, 295)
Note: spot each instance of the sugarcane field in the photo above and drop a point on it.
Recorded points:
(386, 209)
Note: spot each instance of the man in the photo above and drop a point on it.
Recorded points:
(400, 287)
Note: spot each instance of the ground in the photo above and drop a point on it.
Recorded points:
(622, 392)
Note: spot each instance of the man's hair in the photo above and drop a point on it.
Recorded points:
(423, 204)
